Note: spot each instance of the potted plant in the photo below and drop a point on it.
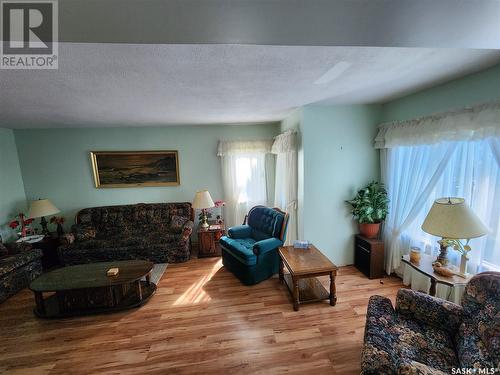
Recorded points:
(370, 207)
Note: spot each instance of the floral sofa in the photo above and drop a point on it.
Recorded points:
(158, 232)
(427, 335)
(19, 265)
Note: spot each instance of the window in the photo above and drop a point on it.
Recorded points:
(473, 173)
(244, 178)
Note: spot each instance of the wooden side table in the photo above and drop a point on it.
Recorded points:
(49, 245)
(425, 268)
(208, 242)
(369, 256)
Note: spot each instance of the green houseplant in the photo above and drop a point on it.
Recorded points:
(370, 207)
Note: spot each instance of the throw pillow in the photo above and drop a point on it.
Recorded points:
(83, 232)
(177, 223)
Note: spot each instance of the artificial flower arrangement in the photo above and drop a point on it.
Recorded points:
(59, 220)
(23, 222)
(206, 213)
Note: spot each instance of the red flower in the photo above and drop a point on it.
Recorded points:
(28, 221)
(219, 203)
(57, 220)
(14, 224)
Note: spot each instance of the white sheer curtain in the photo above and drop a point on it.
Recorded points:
(453, 154)
(285, 193)
(410, 174)
(243, 177)
(472, 173)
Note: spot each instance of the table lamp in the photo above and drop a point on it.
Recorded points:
(42, 208)
(202, 201)
(453, 220)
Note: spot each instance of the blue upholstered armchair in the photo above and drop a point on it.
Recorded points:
(250, 251)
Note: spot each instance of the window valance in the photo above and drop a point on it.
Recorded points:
(244, 147)
(478, 122)
(285, 142)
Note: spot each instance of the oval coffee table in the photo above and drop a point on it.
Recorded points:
(86, 289)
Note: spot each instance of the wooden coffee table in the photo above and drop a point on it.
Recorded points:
(304, 265)
(86, 289)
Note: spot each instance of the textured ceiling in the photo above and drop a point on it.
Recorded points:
(149, 85)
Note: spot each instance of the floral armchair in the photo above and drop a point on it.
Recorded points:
(428, 335)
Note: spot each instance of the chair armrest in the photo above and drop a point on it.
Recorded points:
(430, 310)
(187, 229)
(240, 231)
(18, 247)
(378, 355)
(407, 366)
(264, 246)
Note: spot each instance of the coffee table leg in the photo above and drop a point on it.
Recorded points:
(295, 283)
(40, 305)
(333, 292)
(281, 270)
(139, 290)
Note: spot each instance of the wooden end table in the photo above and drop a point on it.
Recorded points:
(304, 265)
(208, 241)
(425, 268)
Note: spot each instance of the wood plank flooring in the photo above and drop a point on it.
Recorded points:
(200, 321)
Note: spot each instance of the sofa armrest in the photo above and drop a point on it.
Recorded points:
(240, 231)
(67, 239)
(187, 229)
(430, 310)
(264, 246)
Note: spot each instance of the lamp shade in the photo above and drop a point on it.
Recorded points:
(202, 200)
(42, 207)
(452, 218)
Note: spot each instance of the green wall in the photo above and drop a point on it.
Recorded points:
(12, 197)
(55, 163)
(477, 88)
(336, 158)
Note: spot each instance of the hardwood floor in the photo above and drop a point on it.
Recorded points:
(201, 321)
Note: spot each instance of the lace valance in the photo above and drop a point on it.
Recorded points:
(478, 122)
(244, 147)
(285, 142)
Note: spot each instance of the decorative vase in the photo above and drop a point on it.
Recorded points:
(369, 230)
(60, 230)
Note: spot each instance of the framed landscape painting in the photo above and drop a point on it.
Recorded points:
(116, 169)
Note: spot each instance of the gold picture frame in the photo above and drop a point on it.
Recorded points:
(126, 169)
